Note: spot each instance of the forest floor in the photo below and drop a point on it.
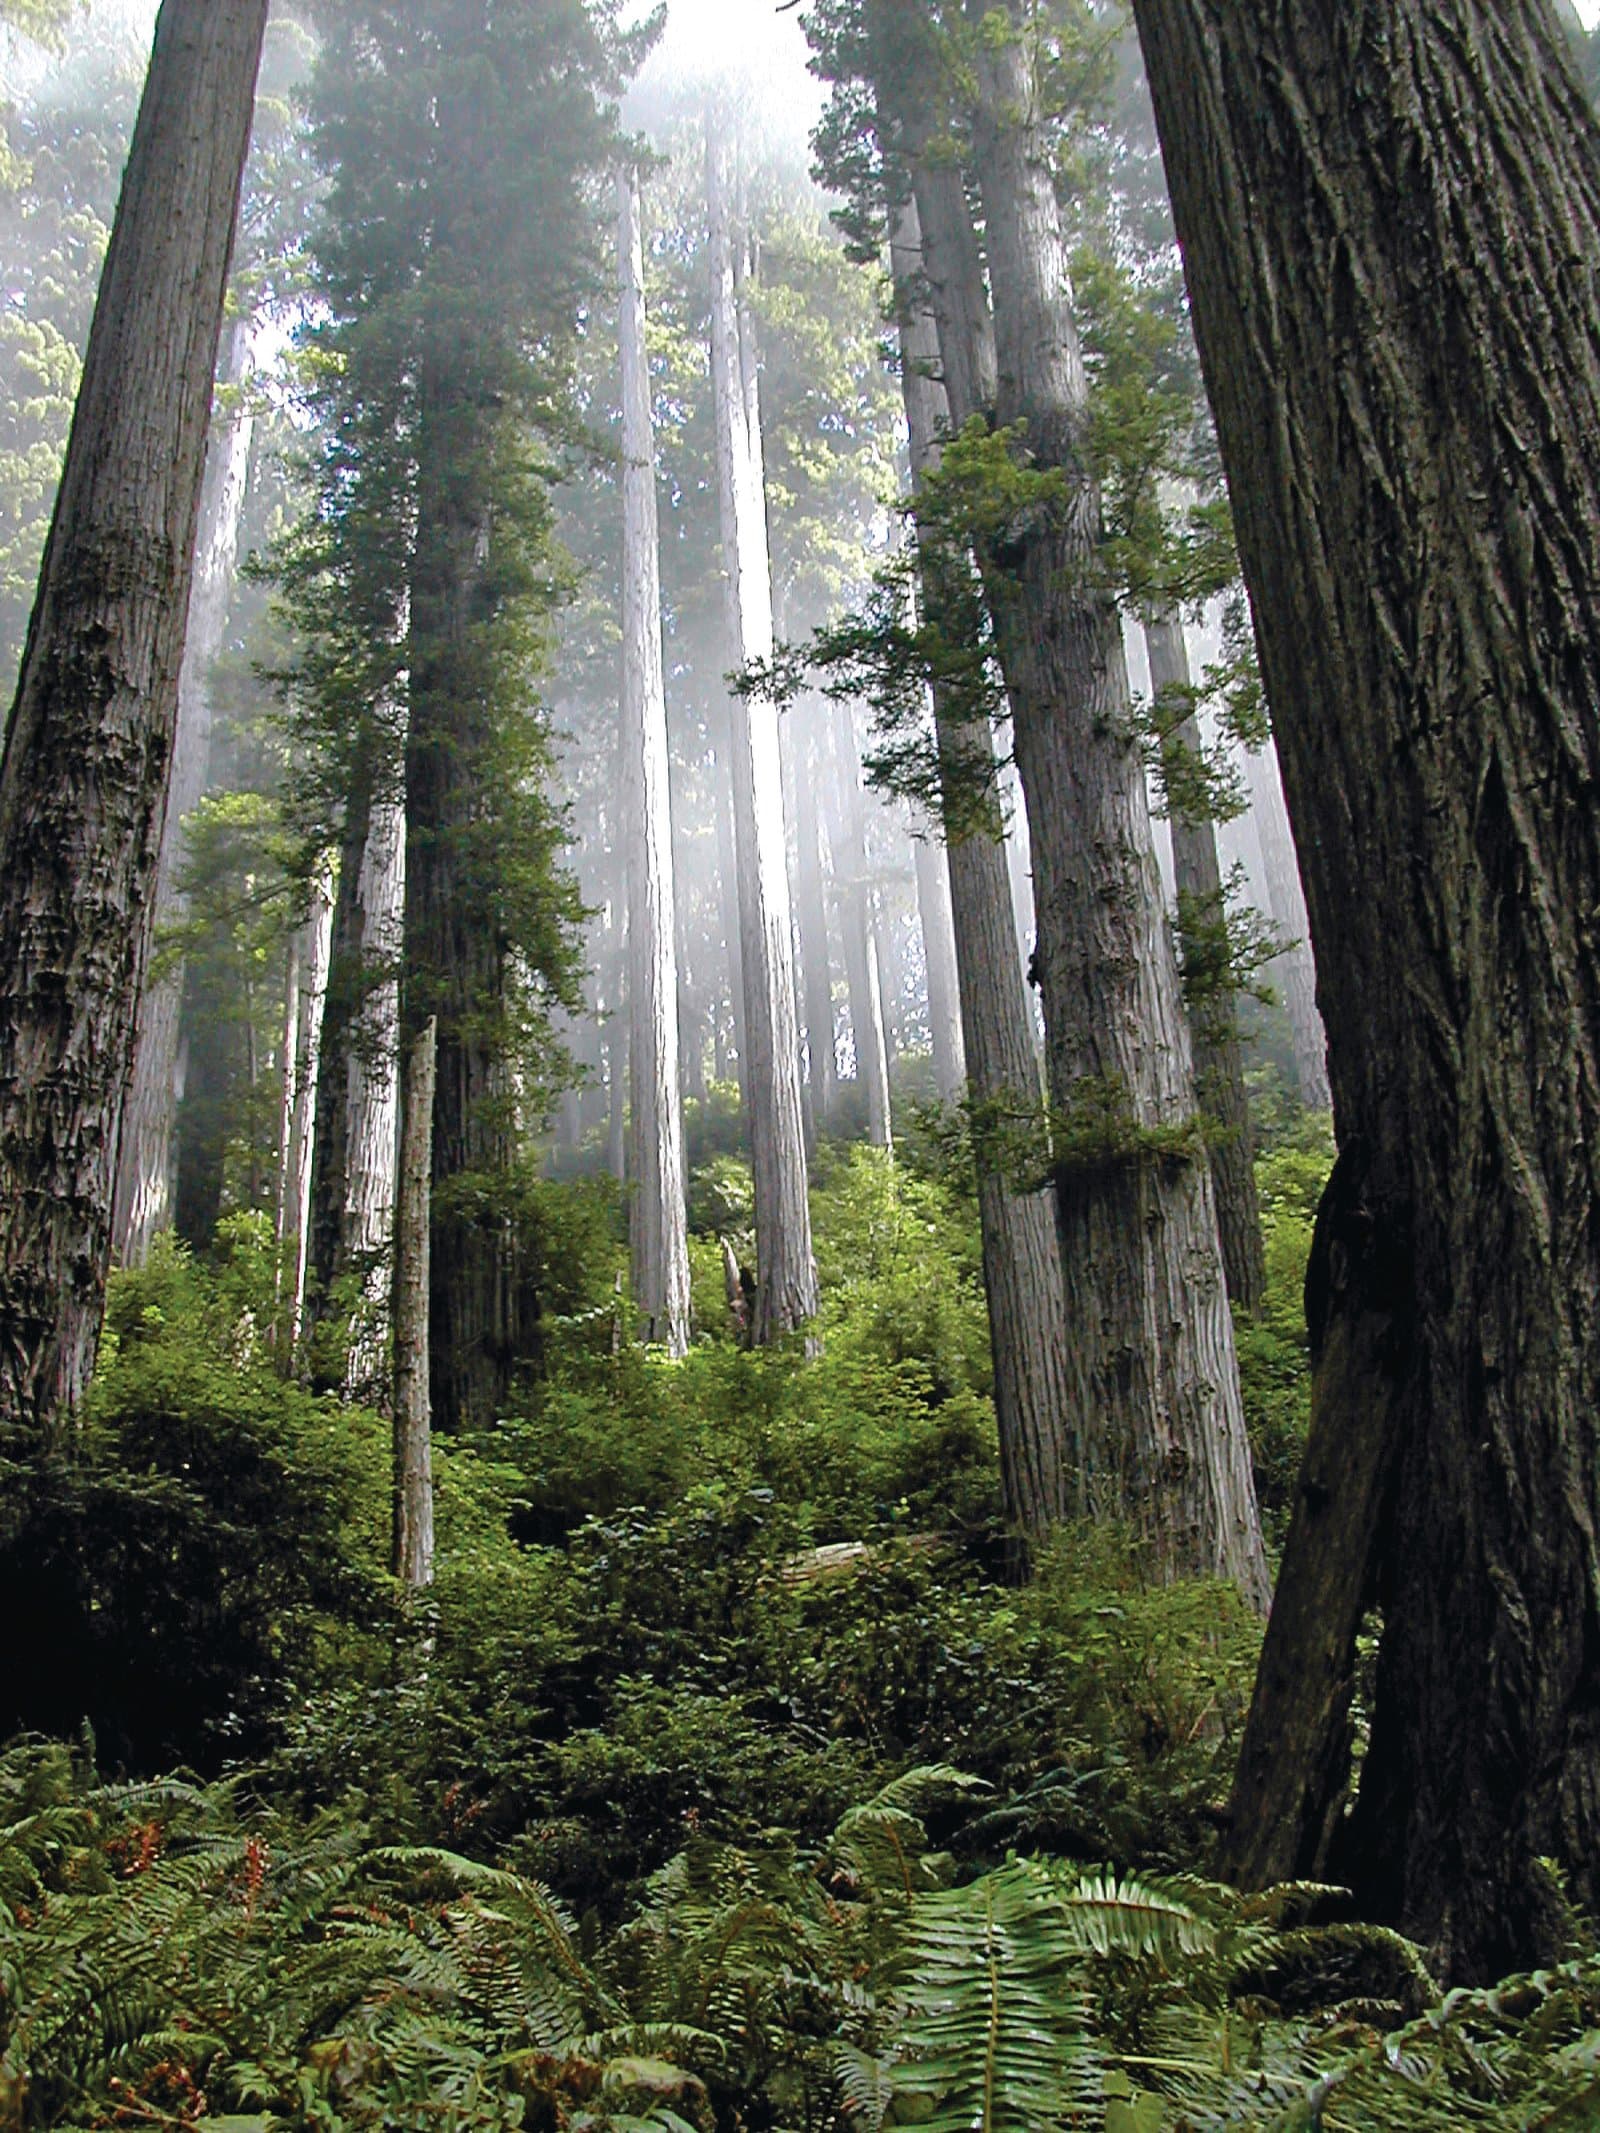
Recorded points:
(631, 1825)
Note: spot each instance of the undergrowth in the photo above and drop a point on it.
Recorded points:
(724, 1782)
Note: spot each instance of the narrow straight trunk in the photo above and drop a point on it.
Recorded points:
(786, 1274)
(810, 883)
(658, 1219)
(939, 961)
(83, 781)
(1425, 176)
(289, 1045)
(1039, 1429)
(863, 971)
(372, 1101)
(1156, 1380)
(728, 887)
(315, 946)
(143, 1206)
(1218, 1054)
(1294, 972)
(412, 1560)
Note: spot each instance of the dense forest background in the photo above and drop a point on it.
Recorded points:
(717, 1325)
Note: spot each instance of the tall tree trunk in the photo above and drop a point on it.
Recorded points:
(658, 1219)
(721, 723)
(1156, 1377)
(83, 782)
(412, 1557)
(145, 1164)
(786, 1274)
(372, 1101)
(939, 961)
(1218, 1054)
(853, 887)
(1427, 179)
(314, 944)
(1039, 1428)
(456, 960)
(1295, 971)
(810, 880)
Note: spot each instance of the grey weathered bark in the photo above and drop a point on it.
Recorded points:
(83, 782)
(853, 887)
(1040, 1459)
(939, 962)
(658, 1221)
(786, 1275)
(1391, 219)
(811, 896)
(372, 1100)
(1218, 1054)
(1294, 973)
(143, 1206)
(412, 1556)
(1156, 1380)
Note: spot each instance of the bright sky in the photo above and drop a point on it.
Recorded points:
(1588, 12)
(746, 46)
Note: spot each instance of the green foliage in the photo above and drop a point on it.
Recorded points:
(1274, 1369)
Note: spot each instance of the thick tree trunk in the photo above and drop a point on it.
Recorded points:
(810, 883)
(412, 1558)
(1218, 1054)
(1152, 1340)
(786, 1275)
(721, 723)
(853, 887)
(143, 1205)
(939, 962)
(658, 1221)
(1039, 1429)
(1294, 973)
(1391, 218)
(83, 782)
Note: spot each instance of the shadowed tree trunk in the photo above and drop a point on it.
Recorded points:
(658, 1222)
(83, 782)
(144, 1167)
(314, 945)
(412, 1558)
(1040, 1456)
(1218, 1054)
(1391, 220)
(786, 1275)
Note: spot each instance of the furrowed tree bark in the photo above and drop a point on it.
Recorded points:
(412, 1558)
(1214, 1031)
(83, 781)
(1156, 1380)
(1294, 972)
(1391, 223)
(143, 1206)
(1039, 1429)
(786, 1275)
(658, 1219)
(853, 887)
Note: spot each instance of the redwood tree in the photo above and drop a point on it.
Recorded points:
(1391, 220)
(83, 782)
